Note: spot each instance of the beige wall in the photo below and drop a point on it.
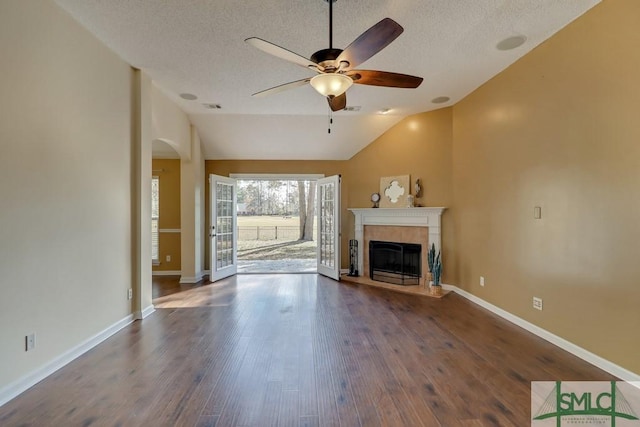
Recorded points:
(168, 173)
(191, 211)
(558, 129)
(226, 167)
(170, 124)
(66, 173)
(141, 212)
(419, 146)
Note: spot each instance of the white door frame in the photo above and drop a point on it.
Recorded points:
(277, 176)
(223, 228)
(329, 225)
(280, 177)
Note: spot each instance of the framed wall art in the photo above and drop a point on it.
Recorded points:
(394, 191)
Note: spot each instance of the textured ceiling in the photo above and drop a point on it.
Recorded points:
(197, 46)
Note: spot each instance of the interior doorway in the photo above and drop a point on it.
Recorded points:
(277, 224)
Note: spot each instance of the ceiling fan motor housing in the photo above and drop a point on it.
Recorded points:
(334, 66)
(326, 58)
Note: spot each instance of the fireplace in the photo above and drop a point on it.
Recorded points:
(410, 225)
(395, 262)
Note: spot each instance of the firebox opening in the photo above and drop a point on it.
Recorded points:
(396, 263)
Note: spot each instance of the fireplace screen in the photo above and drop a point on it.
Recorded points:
(397, 263)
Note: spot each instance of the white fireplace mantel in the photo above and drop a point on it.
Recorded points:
(407, 217)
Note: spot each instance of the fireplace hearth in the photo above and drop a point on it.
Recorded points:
(395, 262)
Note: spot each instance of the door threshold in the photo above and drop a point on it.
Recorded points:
(277, 272)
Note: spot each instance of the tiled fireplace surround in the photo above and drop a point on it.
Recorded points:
(403, 225)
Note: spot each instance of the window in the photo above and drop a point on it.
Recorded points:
(155, 216)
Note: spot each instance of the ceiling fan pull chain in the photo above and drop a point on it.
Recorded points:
(330, 120)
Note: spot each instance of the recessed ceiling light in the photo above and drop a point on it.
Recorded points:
(188, 96)
(511, 43)
(212, 106)
(384, 111)
(352, 108)
(440, 99)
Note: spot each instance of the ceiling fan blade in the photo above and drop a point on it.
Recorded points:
(384, 78)
(282, 87)
(338, 103)
(371, 42)
(282, 53)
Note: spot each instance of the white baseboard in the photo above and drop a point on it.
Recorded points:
(145, 313)
(192, 279)
(165, 273)
(22, 384)
(594, 359)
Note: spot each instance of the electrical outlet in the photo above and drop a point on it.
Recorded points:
(168, 258)
(481, 280)
(30, 342)
(537, 303)
(130, 293)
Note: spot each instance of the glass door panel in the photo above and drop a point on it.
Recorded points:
(329, 226)
(223, 229)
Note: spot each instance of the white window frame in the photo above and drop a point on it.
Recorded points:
(155, 235)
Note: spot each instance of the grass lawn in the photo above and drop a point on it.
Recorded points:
(280, 249)
(276, 249)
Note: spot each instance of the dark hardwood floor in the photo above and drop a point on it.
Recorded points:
(301, 350)
(167, 285)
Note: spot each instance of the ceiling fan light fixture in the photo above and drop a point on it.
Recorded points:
(331, 84)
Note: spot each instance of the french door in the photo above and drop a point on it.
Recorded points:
(223, 227)
(328, 190)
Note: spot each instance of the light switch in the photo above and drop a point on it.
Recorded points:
(537, 212)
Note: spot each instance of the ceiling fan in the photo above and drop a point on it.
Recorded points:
(335, 67)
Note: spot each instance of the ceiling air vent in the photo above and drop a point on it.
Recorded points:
(212, 106)
(352, 108)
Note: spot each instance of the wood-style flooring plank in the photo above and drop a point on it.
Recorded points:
(400, 372)
(289, 415)
(336, 337)
(270, 408)
(301, 350)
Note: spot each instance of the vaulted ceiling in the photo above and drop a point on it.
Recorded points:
(197, 47)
